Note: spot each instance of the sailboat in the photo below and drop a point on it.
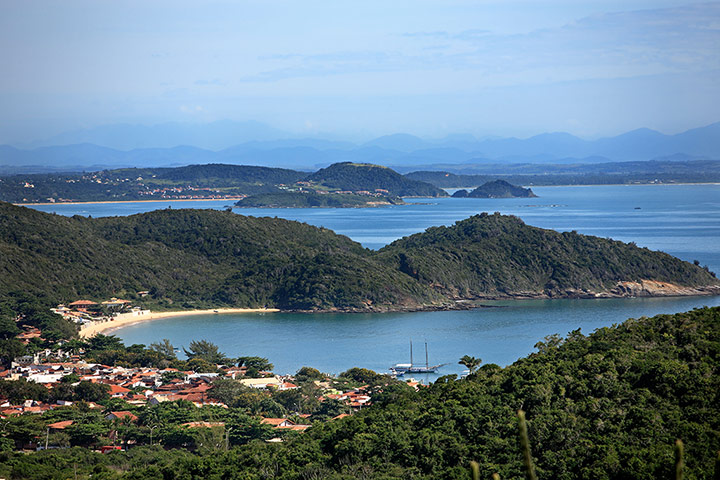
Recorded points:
(403, 368)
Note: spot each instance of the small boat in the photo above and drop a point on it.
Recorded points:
(400, 369)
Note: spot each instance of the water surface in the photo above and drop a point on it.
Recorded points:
(683, 220)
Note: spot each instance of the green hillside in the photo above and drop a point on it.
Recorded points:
(214, 174)
(362, 176)
(196, 258)
(127, 184)
(498, 189)
(496, 255)
(316, 200)
(207, 258)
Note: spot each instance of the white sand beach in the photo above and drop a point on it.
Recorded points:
(125, 319)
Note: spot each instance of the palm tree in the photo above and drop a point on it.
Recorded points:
(470, 362)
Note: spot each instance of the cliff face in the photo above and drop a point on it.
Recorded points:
(652, 288)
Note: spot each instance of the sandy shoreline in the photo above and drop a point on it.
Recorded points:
(132, 201)
(125, 319)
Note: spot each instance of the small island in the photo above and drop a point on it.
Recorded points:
(496, 189)
(307, 199)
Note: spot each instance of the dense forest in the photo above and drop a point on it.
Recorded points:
(363, 176)
(205, 258)
(497, 255)
(316, 200)
(496, 189)
(196, 258)
(605, 406)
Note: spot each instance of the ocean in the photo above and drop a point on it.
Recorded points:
(683, 220)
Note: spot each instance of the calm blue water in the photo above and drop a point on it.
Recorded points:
(683, 220)
(335, 342)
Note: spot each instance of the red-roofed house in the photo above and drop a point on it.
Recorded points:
(118, 391)
(60, 425)
(82, 303)
(121, 415)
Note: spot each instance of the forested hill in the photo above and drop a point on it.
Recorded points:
(605, 406)
(215, 174)
(196, 258)
(496, 189)
(316, 200)
(358, 176)
(496, 255)
(207, 258)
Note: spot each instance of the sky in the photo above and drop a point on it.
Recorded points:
(360, 69)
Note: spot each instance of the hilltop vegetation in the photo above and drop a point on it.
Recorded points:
(495, 255)
(316, 200)
(201, 181)
(196, 258)
(207, 181)
(496, 189)
(206, 258)
(605, 406)
(358, 176)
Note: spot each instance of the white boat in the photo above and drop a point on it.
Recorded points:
(400, 369)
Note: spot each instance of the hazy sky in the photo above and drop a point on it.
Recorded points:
(488, 67)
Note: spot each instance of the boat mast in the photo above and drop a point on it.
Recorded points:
(427, 364)
(411, 357)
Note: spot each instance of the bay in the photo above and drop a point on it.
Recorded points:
(333, 343)
(683, 220)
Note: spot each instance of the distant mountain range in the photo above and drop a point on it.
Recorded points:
(229, 142)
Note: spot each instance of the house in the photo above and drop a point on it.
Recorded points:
(57, 426)
(284, 423)
(116, 302)
(121, 416)
(82, 304)
(29, 334)
(277, 422)
(118, 391)
(261, 382)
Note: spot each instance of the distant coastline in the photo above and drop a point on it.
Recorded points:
(126, 319)
(235, 198)
(133, 201)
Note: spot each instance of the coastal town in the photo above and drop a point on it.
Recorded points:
(50, 395)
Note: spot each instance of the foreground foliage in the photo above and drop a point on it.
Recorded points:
(605, 406)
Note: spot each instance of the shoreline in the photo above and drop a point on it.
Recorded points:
(127, 319)
(99, 202)
(592, 185)
(630, 290)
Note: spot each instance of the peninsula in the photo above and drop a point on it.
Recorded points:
(198, 259)
(220, 182)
